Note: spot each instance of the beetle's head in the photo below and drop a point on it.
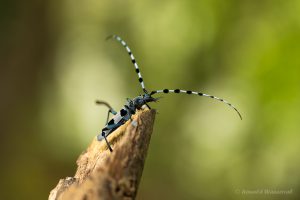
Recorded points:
(142, 100)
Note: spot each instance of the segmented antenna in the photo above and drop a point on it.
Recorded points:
(196, 93)
(137, 70)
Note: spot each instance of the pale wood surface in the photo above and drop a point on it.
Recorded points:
(104, 175)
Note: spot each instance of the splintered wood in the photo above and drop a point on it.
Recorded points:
(105, 175)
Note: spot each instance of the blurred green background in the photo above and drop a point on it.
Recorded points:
(54, 63)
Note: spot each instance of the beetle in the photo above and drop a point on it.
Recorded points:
(138, 102)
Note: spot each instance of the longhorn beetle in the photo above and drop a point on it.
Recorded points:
(136, 103)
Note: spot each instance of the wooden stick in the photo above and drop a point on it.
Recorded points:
(105, 175)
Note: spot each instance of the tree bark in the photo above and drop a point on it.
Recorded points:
(105, 175)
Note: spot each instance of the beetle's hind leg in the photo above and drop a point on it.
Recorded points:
(110, 109)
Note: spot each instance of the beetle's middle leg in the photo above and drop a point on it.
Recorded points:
(107, 143)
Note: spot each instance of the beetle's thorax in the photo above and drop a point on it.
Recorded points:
(139, 101)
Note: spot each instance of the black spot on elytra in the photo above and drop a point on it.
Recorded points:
(177, 91)
(166, 91)
(123, 112)
(111, 122)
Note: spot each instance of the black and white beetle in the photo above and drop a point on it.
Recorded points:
(132, 105)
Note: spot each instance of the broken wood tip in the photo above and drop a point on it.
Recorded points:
(102, 174)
